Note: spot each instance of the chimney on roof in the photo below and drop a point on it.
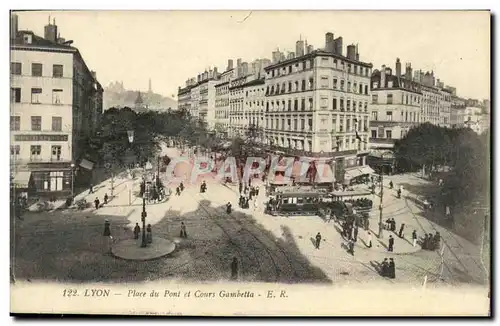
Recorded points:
(14, 26)
(357, 53)
(216, 75)
(299, 48)
(51, 32)
(310, 48)
(338, 45)
(408, 73)
(329, 42)
(351, 52)
(382, 77)
(398, 68)
(229, 64)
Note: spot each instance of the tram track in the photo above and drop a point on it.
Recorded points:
(270, 243)
(243, 253)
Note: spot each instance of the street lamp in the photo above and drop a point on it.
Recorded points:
(72, 180)
(130, 134)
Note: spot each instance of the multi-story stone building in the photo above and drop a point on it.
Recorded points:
(56, 105)
(317, 104)
(395, 108)
(457, 112)
(198, 96)
(222, 95)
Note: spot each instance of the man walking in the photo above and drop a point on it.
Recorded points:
(401, 235)
(392, 268)
(414, 238)
(105, 198)
(369, 240)
(183, 230)
(107, 236)
(96, 203)
(391, 244)
(318, 240)
(137, 231)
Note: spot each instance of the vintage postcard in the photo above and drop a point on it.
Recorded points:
(250, 163)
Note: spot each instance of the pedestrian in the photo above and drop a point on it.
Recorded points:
(250, 194)
(181, 186)
(105, 198)
(257, 191)
(255, 204)
(430, 242)
(149, 234)
(399, 193)
(245, 191)
(437, 241)
(401, 235)
(369, 240)
(384, 270)
(107, 236)
(350, 247)
(240, 187)
(414, 238)
(177, 191)
(393, 225)
(392, 268)
(447, 212)
(425, 242)
(228, 208)
(391, 185)
(96, 203)
(391, 244)
(183, 230)
(137, 231)
(318, 240)
(234, 269)
(355, 233)
(91, 189)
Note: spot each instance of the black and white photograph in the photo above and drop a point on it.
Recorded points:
(250, 162)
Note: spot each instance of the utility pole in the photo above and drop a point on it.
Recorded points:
(380, 223)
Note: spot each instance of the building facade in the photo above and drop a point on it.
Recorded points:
(395, 107)
(222, 100)
(317, 104)
(56, 105)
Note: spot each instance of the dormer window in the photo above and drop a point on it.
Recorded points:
(27, 38)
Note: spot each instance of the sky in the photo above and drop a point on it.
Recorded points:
(171, 46)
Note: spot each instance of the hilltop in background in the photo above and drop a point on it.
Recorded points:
(115, 95)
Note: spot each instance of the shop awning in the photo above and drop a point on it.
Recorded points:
(22, 179)
(366, 169)
(352, 173)
(86, 164)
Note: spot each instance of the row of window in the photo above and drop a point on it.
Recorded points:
(325, 62)
(405, 116)
(36, 94)
(388, 134)
(324, 84)
(404, 99)
(36, 123)
(36, 152)
(16, 68)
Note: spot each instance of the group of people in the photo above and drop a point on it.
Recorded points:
(388, 268)
(179, 189)
(97, 202)
(149, 233)
(431, 242)
(246, 195)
